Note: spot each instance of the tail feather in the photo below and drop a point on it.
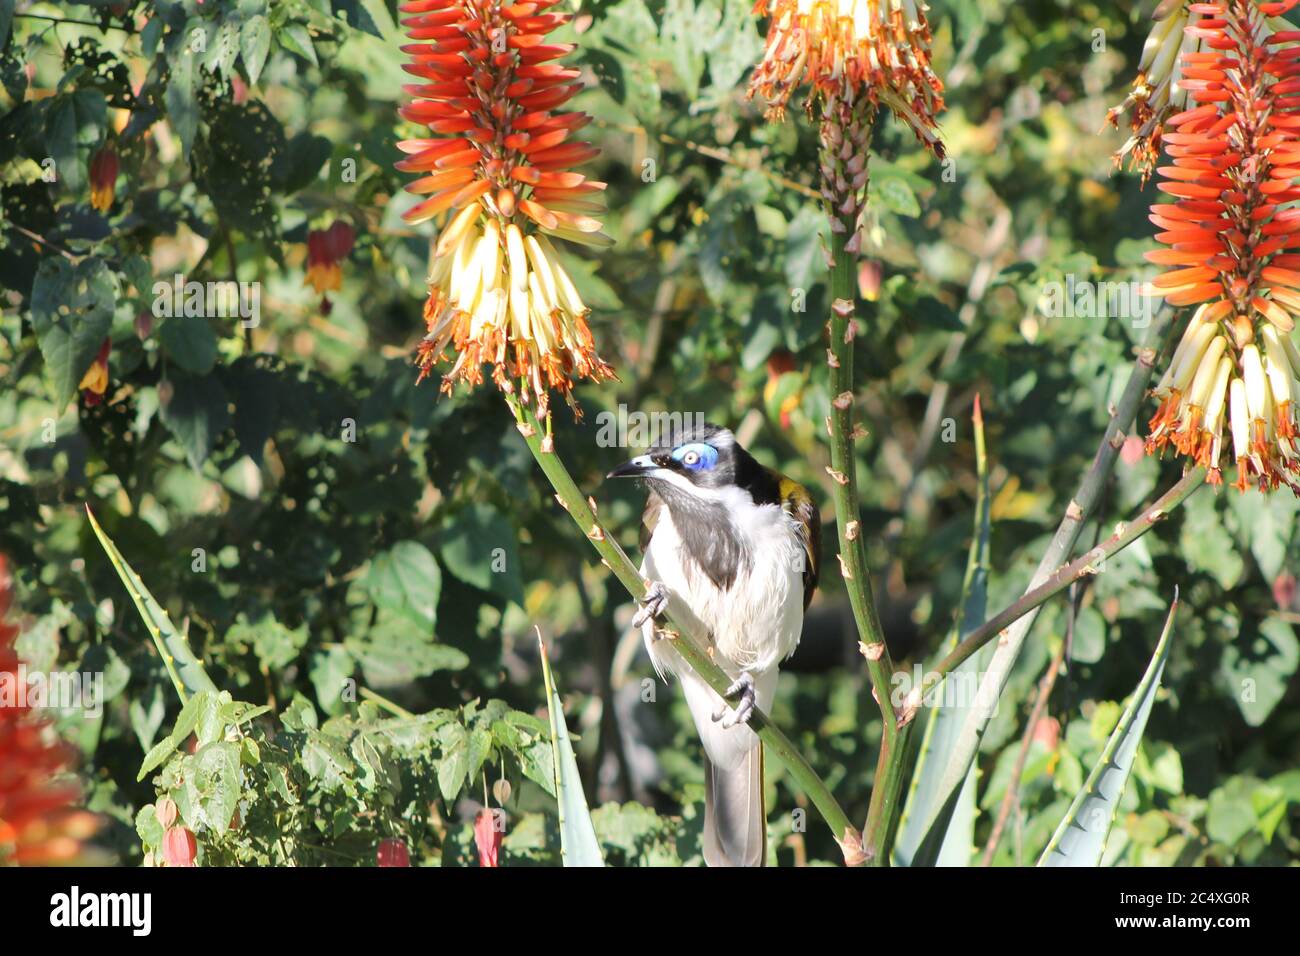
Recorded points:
(735, 819)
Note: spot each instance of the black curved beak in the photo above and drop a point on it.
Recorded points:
(638, 467)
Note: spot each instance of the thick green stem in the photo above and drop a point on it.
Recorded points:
(853, 553)
(690, 647)
(887, 796)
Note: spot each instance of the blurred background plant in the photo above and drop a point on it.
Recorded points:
(310, 518)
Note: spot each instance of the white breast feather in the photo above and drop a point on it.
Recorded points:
(754, 624)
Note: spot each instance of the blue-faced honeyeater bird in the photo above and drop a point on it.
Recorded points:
(731, 550)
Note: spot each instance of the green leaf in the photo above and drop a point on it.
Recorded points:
(147, 826)
(73, 125)
(275, 646)
(356, 15)
(1206, 544)
(406, 579)
(295, 38)
(894, 194)
(189, 342)
(1269, 804)
(1258, 668)
(146, 713)
(307, 153)
(239, 164)
(182, 96)
(687, 31)
(1089, 636)
(804, 264)
(740, 46)
(196, 415)
(72, 314)
(223, 48)
(325, 759)
(1231, 811)
(156, 755)
(6, 20)
(185, 670)
(199, 704)
(216, 780)
(254, 45)
(454, 765)
(481, 548)
(578, 843)
(1080, 840)
(399, 650)
(329, 671)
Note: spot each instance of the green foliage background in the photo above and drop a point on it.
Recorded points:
(417, 558)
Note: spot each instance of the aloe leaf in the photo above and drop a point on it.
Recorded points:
(185, 670)
(950, 840)
(1080, 840)
(578, 843)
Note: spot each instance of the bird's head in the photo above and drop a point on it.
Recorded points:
(704, 458)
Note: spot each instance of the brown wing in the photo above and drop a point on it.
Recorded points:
(799, 504)
(649, 518)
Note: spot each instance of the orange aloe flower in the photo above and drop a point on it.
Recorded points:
(879, 49)
(499, 163)
(1158, 91)
(1232, 229)
(103, 177)
(39, 822)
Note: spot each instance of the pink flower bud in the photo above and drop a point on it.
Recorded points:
(487, 837)
(393, 852)
(179, 847)
(165, 811)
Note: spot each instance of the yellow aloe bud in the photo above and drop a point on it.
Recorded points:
(1292, 353)
(1252, 370)
(1214, 405)
(1206, 372)
(457, 229)
(518, 258)
(542, 270)
(1182, 370)
(1240, 419)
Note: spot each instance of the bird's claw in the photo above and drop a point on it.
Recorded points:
(652, 605)
(742, 688)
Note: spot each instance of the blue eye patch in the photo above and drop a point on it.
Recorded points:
(697, 456)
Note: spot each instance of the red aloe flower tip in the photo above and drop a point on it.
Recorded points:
(1231, 224)
(498, 163)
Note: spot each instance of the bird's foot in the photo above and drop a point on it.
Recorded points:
(652, 605)
(743, 690)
